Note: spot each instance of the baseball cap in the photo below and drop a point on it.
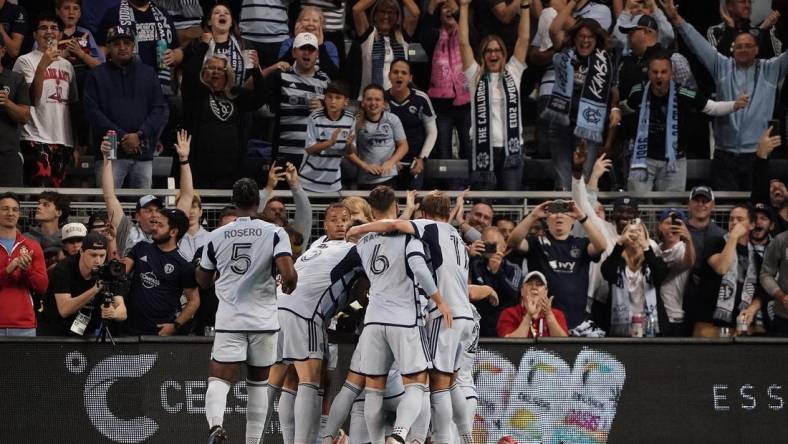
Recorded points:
(149, 199)
(640, 21)
(702, 190)
(677, 211)
(121, 32)
(305, 39)
(535, 275)
(761, 207)
(74, 230)
(94, 241)
(625, 201)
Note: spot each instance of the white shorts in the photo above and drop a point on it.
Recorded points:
(301, 339)
(256, 349)
(382, 345)
(450, 348)
(465, 382)
(355, 360)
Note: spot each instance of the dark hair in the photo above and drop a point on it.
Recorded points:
(436, 203)
(10, 195)
(748, 208)
(229, 210)
(338, 87)
(246, 194)
(381, 198)
(279, 199)
(499, 218)
(660, 55)
(402, 60)
(337, 206)
(178, 220)
(61, 202)
(602, 37)
(484, 202)
(102, 216)
(47, 16)
(372, 86)
(59, 3)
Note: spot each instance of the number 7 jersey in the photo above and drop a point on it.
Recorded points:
(243, 253)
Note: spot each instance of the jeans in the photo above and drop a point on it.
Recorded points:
(656, 177)
(562, 144)
(542, 128)
(731, 171)
(508, 179)
(407, 181)
(448, 118)
(138, 172)
(26, 332)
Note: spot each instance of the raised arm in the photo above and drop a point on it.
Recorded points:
(114, 208)
(701, 47)
(303, 208)
(183, 147)
(360, 18)
(410, 20)
(517, 236)
(465, 36)
(557, 28)
(506, 13)
(722, 261)
(523, 31)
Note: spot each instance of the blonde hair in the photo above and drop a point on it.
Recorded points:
(358, 205)
(314, 9)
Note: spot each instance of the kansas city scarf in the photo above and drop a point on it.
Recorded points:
(379, 54)
(162, 31)
(592, 111)
(621, 308)
(235, 56)
(726, 298)
(482, 167)
(672, 129)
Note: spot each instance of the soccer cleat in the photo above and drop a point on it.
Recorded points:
(217, 435)
(394, 439)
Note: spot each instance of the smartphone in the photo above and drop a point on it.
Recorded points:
(775, 124)
(674, 219)
(559, 206)
(490, 248)
(281, 162)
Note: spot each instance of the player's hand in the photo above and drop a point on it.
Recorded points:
(167, 329)
(353, 234)
(446, 312)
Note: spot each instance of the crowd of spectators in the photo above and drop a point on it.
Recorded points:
(359, 94)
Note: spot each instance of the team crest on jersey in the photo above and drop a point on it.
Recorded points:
(574, 252)
(149, 279)
(385, 128)
(221, 108)
(169, 268)
(412, 109)
(23, 250)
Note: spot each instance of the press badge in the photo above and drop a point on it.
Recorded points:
(80, 324)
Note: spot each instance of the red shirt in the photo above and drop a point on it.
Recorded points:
(16, 302)
(512, 317)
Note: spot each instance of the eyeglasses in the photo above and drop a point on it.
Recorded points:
(49, 28)
(743, 47)
(493, 50)
(10, 210)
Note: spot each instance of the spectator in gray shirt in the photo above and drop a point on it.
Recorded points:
(774, 279)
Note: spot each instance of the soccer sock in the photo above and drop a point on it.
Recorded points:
(463, 413)
(373, 414)
(420, 427)
(307, 404)
(357, 433)
(322, 430)
(216, 400)
(256, 409)
(286, 415)
(441, 416)
(340, 408)
(408, 409)
(273, 397)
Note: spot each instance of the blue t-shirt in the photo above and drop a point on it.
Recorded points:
(8, 243)
(157, 282)
(565, 265)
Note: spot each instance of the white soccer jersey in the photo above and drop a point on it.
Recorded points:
(243, 253)
(393, 296)
(448, 262)
(326, 271)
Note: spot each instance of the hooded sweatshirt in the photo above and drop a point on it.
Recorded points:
(16, 288)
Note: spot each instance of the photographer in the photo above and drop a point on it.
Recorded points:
(159, 276)
(79, 293)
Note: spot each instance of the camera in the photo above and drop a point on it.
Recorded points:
(559, 206)
(112, 276)
(490, 248)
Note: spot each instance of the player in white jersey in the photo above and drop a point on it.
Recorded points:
(393, 264)
(447, 345)
(246, 254)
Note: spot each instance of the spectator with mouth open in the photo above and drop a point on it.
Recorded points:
(534, 316)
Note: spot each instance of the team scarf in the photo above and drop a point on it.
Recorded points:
(592, 112)
(233, 53)
(379, 54)
(672, 131)
(621, 307)
(482, 167)
(448, 81)
(726, 298)
(162, 31)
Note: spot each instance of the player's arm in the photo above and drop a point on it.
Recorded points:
(382, 226)
(205, 278)
(284, 264)
(418, 265)
(205, 272)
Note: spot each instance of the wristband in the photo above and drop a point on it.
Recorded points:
(184, 162)
(583, 220)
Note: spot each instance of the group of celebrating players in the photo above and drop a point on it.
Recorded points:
(420, 331)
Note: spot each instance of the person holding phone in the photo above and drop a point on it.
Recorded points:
(678, 252)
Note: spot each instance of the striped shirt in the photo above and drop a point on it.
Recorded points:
(321, 172)
(264, 21)
(334, 15)
(295, 92)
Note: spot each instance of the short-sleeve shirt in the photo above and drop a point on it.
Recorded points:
(515, 69)
(672, 289)
(244, 253)
(14, 20)
(50, 118)
(377, 142)
(14, 84)
(65, 278)
(157, 283)
(415, 112)
(322, 172)
(565, 265)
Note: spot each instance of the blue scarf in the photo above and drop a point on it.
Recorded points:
(672, 125)
(592, 111)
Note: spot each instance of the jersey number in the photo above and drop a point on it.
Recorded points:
(241, 260)
(379, 263)
(459, 253)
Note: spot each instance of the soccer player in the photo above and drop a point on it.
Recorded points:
(394, 262)
(448, 260)
(244, 254)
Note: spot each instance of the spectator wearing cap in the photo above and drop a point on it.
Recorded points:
(127, 232)
(77, 293)
(296, 91)
(14, 112)
(662, 107)
(768, 186)
(22, 272)
(47, 139)
(159, 276)
(638, 14)
(736, 135)
(123, 95)
(99, 222)
(563, 258)
(72, 236)
(311, 20)
(196, 236)
(774, 280)
(701, 226)
(678, 253)
(51, 213)
(763, 226)
(534, 316)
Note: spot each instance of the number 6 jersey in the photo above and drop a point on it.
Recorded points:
(243, 253)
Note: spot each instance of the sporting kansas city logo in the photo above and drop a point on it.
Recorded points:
(592, 115)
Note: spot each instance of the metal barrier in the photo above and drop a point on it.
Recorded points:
(553, 390)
